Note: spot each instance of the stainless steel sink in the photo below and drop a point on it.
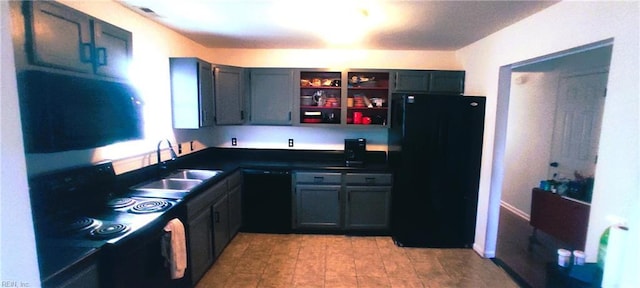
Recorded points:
(171, 184)
(175, 186)
(194, 174)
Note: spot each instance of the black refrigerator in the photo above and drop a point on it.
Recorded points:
(435, 150)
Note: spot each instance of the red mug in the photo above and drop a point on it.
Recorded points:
(366, 120)
(357, 117)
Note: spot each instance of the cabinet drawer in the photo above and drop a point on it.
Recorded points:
(368, 179)
(318, 178)
(206, 198)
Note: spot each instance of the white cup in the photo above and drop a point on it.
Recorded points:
(578, 257)
(564, 257)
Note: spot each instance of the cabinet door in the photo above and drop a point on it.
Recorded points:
(411, 81)
(447, 82)
(235, 210)
(368, 207)
(60, 37)
(205, 87)
(220, 225)
(191, 93)
(228, 95)
(112, 50)
(318, 206)
(200, 239)
(271, 96)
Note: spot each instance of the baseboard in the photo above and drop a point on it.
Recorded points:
(515, 210)
(485, 254)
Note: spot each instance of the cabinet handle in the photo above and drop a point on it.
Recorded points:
(216, 217)
(242, 115)
(370, 180)
(85, 52)
(318, 179)
(289, 115)
(101, 55)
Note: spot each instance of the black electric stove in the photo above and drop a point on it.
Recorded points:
(82, 208)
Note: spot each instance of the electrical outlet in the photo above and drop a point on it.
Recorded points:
(179, 148)
(234, 141)
(290, 142)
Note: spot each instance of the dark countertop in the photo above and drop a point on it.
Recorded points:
(231, 159)
(282, 159)
(53, 258)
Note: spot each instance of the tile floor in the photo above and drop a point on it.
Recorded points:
(297, 260)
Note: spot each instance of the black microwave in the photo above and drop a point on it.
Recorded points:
(61, 112)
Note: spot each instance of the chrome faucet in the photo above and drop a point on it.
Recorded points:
(163, 165)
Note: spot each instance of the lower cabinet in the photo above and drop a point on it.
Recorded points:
(342, 201)
(367, 208)
(200, 239)
(318, 206)
(212, 221)
(220, 225)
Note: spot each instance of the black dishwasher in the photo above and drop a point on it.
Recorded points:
(266, 201)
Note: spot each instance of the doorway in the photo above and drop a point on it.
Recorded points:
(554, 116)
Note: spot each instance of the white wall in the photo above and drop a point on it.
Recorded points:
(529, 132)
(561, 27)
(337, 59)
(18, 261)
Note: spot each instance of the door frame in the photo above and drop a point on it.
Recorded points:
(487, 246)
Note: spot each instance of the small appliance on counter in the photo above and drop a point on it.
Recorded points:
(355, 151)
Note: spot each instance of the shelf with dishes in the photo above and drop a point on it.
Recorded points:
(344, 98)
(367, 98)
(320, 97)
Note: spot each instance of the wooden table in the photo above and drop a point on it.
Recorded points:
(564, 218)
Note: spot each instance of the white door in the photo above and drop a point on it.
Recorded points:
(577, 124)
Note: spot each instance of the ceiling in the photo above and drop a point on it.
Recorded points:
(354, 24)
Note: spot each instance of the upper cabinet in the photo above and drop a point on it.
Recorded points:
(271, 96)
(228, 82)
(320, 97)
(440, 82)
(64, 38)
(350, 97)
(367, 98)
(191, 93)
(112, 48)
(411, 81)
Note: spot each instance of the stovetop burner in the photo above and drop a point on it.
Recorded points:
(78, 224)
(151, 206)
(120, 202)
(109, 231)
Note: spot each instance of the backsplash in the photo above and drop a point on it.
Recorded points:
(311, 138)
